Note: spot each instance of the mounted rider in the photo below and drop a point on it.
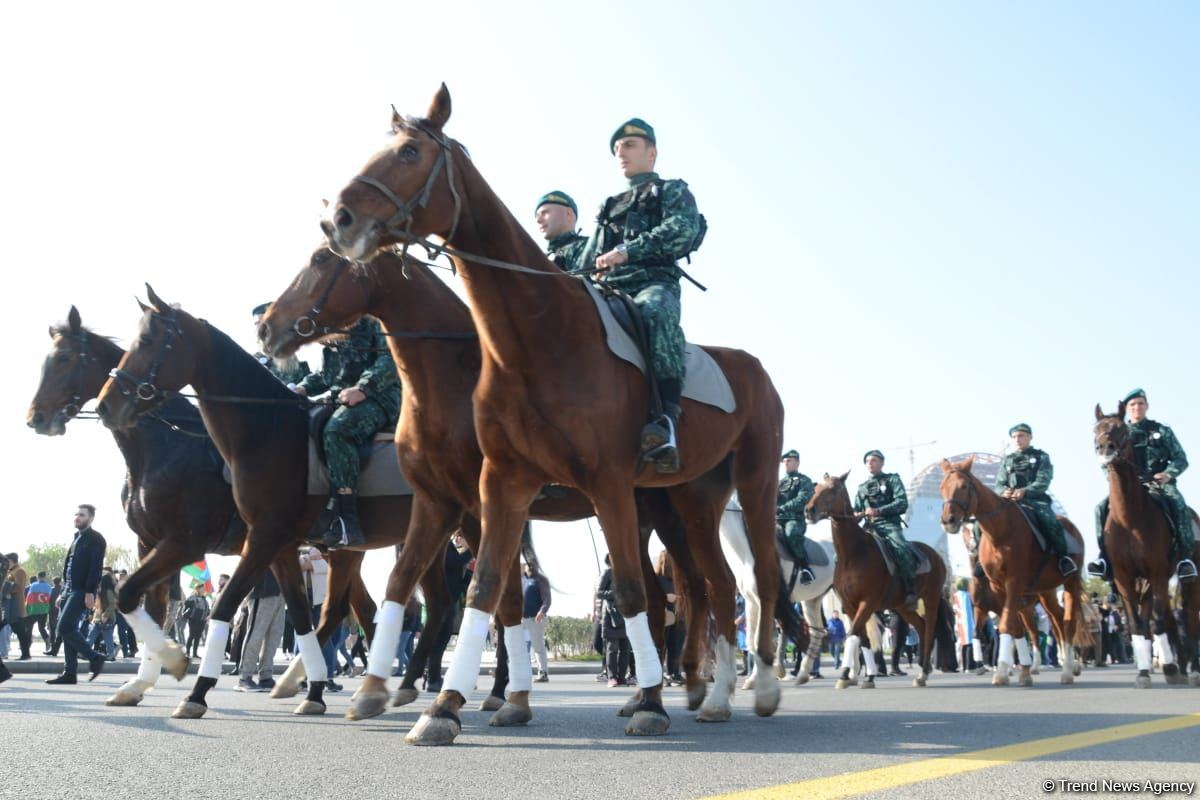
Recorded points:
(556, 215)
(640, 235)
(1159, 460)
(881, 499)
(795, 490)
(1024, 477)
(291, 370)
(358, 370)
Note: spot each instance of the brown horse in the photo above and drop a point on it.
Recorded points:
(432, 339)
(984, 600)
(553, 405)
(1138, 538)
(862, 581)
(1014, 567)
(260, 429)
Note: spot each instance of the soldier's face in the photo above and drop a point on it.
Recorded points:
(554, 220)
(791, 464)
(1021, 439)
(635, 155)
(874, 465)
(1136, 409)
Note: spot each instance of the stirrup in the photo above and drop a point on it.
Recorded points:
(1097, 568)
(658, 445)
(1066, 566)
(338, 536)
(806, 576)
(1185, 570)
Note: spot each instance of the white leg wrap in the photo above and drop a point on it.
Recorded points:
(1143, 652)
(1005, 653)
(872, 665)
(389, 621)
(468, 653)
(520, 673)
(149, 669)
(977, 650)
(850, 656)
(1024, 657)
(314, 659)
(146, 629)
(1165, 655)
(294, 673)
(649, 665)
(214, 649)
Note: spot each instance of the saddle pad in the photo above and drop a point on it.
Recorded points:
(923, 564)
(704, 380)
(1074, 547)
(817, 557)
(381, 477)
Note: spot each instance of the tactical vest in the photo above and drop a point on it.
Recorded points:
(1150, 453)
(879, 491)
(1023, 467)
(559, 254)
(634, 212)
(789, 487)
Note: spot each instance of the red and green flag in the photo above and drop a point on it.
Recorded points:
(200, 574)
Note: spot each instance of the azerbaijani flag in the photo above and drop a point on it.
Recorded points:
(199, 571)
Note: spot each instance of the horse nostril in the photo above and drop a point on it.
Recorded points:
(264, 331)
(343, 218)
(37, 419)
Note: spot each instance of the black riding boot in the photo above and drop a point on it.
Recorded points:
(345, 530)
(658, 436)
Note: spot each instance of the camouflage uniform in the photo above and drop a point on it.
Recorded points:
(1155, 450)
(885, 492)
(363, 361)
(291, 372)
(565, 249)
(795, 491)
(1030, 469)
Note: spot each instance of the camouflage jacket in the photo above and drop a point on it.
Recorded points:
(1155, 450)
(795, 491)
(885, 492)
(565, 249)
(362, 360)
(657, 221)
(1029, 469)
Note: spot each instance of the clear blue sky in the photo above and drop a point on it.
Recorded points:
(929, 220)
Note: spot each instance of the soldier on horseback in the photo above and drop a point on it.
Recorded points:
(290, 370)
(640, 235)
(881, 499)
(556, 215)
(795, 490)
(1159, 460)
(360, 373)
(1024, 477)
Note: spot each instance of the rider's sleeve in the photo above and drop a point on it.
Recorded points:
(1178, 459)
(899, 502)
(380, 375)
(314, 384)
(672, 238)
(1002, 477)
(859, 503)
(795, 506)
(1045, 474)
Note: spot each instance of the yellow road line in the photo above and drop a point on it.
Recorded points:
(849, 784)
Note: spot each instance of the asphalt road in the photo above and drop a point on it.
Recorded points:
(251, 746)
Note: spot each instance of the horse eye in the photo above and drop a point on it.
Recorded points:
(63, 359)
(320, 258)
(408, 153)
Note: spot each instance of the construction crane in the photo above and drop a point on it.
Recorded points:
(911, 447)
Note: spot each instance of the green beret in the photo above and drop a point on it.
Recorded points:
(559, 199)
(870, 453)
(789, 454)
(1135, 393)
(634, 127)
(1020, 427)
(261, 308)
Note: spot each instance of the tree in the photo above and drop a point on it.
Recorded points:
(569, 636)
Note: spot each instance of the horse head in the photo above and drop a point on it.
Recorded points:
(1110, 435)
(160, 361)
(405, 192)
(960, 497)
(830, 499)
(71, 375)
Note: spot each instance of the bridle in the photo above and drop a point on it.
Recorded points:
(73, 406)
(145, 390)
(1117, 443)
(954, 502)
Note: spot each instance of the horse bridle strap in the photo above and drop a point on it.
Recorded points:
(75, 404)
(146, 390)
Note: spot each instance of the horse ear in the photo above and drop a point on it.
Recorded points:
(966, 465)
(946, 466)
(155, 301)
(439, 110)
(1121, 410)
(826, 477)
(73, 320)
(142, 305)
(324, 202)
(1099, 413)
(843, 477)
(397, 121)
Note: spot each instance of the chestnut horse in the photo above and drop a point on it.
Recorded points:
(862, 581)
(984, 600)
(1015, 567)
(554, 405)
(261, 431)
(432, 339)
(1138, 538)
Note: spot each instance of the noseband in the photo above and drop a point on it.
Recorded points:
(306, 327)
(73, 406)
(145, 390)
(964, 507)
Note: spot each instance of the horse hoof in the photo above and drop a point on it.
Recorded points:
(1076, 670)
(124, 697)
(845, 683)
(510, 715)
(189, 710)
(695, 695)
(433, 732)
(1036, 670)
(1194, 680)
(748, 683)
(284, 690)
(780, 672)
(999, 680)
(490, 703)
(1175, 678)
(1025, 680)
(869, 683)
(174, 660)
(309, 708)
(1142, 682)
(919, 680)
(1066, 679)
(800, 680)
(364, 705)
(629, 708)
(406, 695)
(715, 714)
(648, 723)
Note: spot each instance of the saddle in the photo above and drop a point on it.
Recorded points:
(923, 565)
(704, 380)
(1074, 548)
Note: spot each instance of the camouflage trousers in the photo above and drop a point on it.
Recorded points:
(793, 534)
(348, 428)
(893, 536)
(1182, 520)
(659, 304)
(1056, 537)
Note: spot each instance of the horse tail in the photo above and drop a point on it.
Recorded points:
(528, 553)
(1083, 638)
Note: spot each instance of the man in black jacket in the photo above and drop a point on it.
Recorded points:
(81, 579)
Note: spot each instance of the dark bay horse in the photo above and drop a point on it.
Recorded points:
(553, 405)
(1138, 537)
(432, 338)
(1016, 568)
(176, 501)
(261, 431)
(861, 579)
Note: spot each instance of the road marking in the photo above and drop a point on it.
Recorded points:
(850, 784)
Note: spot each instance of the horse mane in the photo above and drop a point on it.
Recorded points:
(240, 373)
